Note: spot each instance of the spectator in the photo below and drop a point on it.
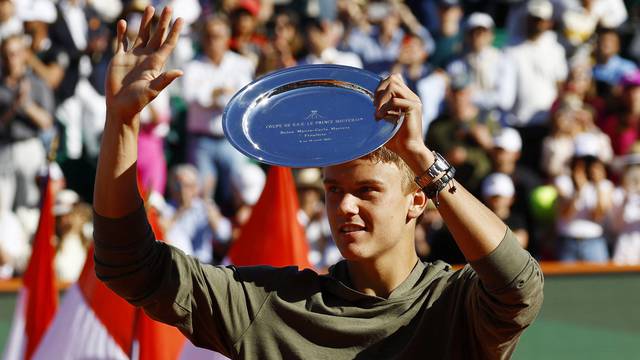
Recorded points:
(541, 68)
(584, 200)
(579, 19)
(499, 194)
(312, 215)
(505, 156)
(581, 87)
(208, 87)
(625, 215)
(610, 67)
(285, 44)
(47, 61)
(379, 40)
(558, 146)
(449, 37)
(73, 220)
(245, 39)
(321, 48)
(622, 126)
(412, 62)
(26, 105)
(494, 77)
(463, 134)
(80, 34)
(193, 224)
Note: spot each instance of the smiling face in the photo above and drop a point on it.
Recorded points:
(370, 210)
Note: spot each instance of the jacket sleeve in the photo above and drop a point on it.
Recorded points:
(504, 298)
(211, 305)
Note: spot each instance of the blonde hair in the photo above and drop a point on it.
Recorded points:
(384, 155)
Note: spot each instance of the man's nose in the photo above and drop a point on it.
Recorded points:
(348, 205)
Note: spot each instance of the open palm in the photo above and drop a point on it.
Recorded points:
(135, 75)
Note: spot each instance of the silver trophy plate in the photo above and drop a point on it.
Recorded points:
(308, 116)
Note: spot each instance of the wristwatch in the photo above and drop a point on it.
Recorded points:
(439, 166)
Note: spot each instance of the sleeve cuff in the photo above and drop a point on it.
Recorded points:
(498, 269)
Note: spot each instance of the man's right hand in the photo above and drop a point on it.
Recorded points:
(135, 76)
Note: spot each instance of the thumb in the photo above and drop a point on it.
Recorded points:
(164, 79)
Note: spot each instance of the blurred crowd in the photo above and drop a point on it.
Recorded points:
(536, 103)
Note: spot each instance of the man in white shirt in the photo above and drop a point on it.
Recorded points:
(492, 74)
(209, 83)
(540, 67)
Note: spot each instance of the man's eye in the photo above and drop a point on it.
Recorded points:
(367, 189)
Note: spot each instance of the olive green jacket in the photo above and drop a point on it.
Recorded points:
(477, 312)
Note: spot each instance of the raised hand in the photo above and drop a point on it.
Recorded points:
(392, 98)
(135, 75)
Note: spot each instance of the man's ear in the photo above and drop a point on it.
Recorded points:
(418, 204)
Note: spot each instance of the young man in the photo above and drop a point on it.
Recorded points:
(381, 302)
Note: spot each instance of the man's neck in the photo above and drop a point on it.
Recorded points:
(381, 276)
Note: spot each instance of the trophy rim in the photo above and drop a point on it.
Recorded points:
(233, 118)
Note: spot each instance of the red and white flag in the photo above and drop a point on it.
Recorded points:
(38, 299)
(95, 323)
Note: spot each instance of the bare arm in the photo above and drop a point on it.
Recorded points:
(476, 229)
(134, 78)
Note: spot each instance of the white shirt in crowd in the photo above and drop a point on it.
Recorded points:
(609, 13)
(625, 218)
(201, 77)
(334, 56)
(539, 65)
(581, 225)
(494, 78)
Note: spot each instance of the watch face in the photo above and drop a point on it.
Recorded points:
(438, 166)
(308, 116)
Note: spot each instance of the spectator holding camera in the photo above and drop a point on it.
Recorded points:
(584, 199)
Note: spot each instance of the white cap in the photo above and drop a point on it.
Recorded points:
(482, 20)
(65, 199)
(248, 181)
(38, 10)
(540, 8)
(586, 144)
(508, 139)
(498, 184)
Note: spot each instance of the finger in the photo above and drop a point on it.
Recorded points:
(161, 30)
(387, 95)
(172, 39)
(121, 29)
(145, 27)
(164, 79)
(382, 87)
(397, 105)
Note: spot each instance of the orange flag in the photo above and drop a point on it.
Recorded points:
(39, 278)
(272, 235)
